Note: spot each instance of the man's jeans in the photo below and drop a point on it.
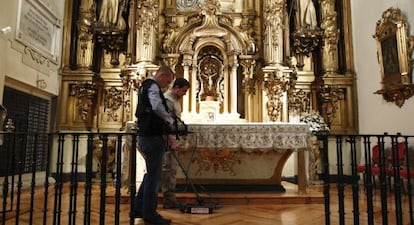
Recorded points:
(153, 149)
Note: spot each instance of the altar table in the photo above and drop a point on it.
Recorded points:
(244, 154)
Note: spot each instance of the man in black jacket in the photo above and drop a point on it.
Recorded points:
(153, 122)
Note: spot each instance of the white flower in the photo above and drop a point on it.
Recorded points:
(315, 121)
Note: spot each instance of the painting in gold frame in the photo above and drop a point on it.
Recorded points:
(394, 55)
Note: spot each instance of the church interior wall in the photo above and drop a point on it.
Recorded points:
(375, 114)
(22, 62)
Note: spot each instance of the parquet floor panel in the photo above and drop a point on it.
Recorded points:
(287, 208)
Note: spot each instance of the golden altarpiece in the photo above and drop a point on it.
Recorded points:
(255, 61)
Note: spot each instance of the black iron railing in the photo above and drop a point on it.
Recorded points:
(384, 191)
(84, 168)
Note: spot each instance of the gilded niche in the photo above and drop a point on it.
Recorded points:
(188, 5)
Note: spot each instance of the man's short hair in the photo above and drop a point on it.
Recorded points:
(165, 70)
(181, 82)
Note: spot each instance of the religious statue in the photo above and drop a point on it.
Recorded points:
(209, 75)
(306, 14)
(111, 14)
(99, 151)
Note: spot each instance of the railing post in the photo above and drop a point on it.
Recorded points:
(326, 180)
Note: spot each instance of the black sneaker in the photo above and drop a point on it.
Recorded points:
(157, 220)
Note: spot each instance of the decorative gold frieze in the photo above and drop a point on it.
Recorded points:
(329, 98)
(221, 160)
(112, 102)
(299, 101)
(277, 81)
(305, 42)
(85, 93)
(113, 42)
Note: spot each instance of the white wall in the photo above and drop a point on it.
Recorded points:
(375, 114)
(19, 67)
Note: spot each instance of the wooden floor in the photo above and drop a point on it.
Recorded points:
(233, 208)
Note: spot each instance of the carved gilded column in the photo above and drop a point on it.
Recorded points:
(186, 98)
(170, 6)
(248, 84)
(147, 30)
(194, 87)
(227, 95)
(330, 36)
(85, 44)
(273, 20)
(233, 88)
(132, 35)
(277, 77)
(277, 80)
(248, 6)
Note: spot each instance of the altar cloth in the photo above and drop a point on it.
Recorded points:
(243, 153)
(248, 137)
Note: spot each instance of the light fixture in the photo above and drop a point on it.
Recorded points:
(6, 30)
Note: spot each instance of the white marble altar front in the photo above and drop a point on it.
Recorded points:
(243, 153)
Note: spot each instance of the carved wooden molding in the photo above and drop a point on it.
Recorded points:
(397, 94)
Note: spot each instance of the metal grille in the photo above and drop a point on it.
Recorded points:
(30, 115)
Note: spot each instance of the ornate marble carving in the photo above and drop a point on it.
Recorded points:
(36, 57)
